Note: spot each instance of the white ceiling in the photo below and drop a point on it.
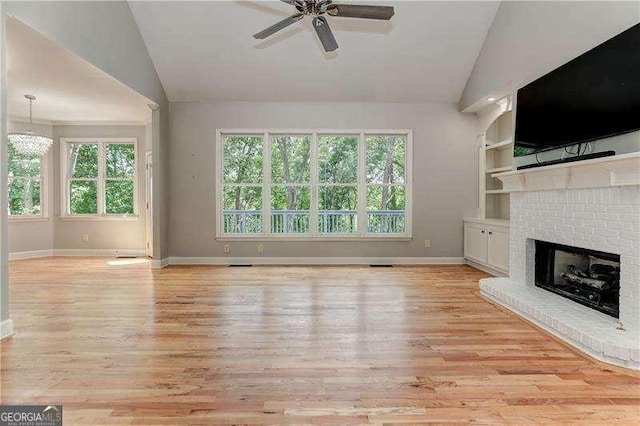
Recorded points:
(67, 88)
(205, 51)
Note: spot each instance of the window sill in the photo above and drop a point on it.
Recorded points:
(100, 218)
(315, 239)
(28, 219)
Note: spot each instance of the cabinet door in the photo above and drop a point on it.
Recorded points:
(498, 248)
(475, 242)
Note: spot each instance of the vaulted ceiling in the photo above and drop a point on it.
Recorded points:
(67, 87)
(205, 51)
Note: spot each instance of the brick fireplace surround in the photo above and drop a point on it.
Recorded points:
(601, 218)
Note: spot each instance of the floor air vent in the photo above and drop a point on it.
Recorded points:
(381, 266)
(240, 266)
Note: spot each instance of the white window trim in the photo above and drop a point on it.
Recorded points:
(44, 195)
(361, 235)
(101, 179)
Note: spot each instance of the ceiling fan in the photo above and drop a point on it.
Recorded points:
(317, 8)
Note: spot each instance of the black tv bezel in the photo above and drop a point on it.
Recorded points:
(572, 143)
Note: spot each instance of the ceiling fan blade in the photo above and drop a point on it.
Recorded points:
(278, 26)
(324, 34)
(360, 11)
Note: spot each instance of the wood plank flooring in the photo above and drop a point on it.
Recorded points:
(121, 344)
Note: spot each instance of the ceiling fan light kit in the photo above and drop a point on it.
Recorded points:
(317, 8)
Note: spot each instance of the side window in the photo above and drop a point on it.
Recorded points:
(24, 184)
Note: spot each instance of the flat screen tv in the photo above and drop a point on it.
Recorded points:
(595, 96)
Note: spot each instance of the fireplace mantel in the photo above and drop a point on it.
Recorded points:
(617, 170)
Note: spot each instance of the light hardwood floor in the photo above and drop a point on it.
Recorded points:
(333, 345)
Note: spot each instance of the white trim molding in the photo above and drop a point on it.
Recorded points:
(485, 268)
(314, 184)
(6, 329)
(35, 254)
(616, 170)
(21, 255)
(100, 179)
(159, 264)
(98, 252)
(315, 261)
(99, 123)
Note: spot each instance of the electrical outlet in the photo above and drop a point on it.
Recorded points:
(227, 249)
(427, 243)
(260, 248)
(85, 238)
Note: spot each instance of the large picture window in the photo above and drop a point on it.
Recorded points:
(25, 186)
(99, 177)
(339, 184)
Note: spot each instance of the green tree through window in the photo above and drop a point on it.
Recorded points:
(101, 178)
(24, 184)
(314, 184)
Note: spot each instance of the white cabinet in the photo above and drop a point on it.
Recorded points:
(486, 242)
(498, 247)
(475, 242)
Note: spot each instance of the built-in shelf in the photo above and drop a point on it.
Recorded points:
(495, 156)
(617, 170)
(501, 145)
(500, 169)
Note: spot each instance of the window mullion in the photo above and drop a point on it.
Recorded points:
(44, 202)
(266, 184)
(313, 214)
(101, 179)
(66, 191)
(362, 187)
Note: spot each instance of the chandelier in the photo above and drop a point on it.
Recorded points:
(30, 143)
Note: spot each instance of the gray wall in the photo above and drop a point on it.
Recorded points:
(103, 234)
(445, 173)
(68, 234)
(529, 39)
(35, 235)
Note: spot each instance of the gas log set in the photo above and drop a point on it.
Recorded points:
(588, 277)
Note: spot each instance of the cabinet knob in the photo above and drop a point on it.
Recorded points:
(490, 233)
(483, 231)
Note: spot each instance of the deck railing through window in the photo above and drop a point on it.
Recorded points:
(329, 221)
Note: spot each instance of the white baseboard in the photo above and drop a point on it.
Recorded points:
(159, 264)
(177, 260)
(97, 252)
(30, 254)
(316, 260)
(6, 328)
(76, 253)
(485, 268)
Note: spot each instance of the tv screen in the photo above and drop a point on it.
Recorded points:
(594, 96)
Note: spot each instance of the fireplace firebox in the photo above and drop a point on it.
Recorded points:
(589, 277)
